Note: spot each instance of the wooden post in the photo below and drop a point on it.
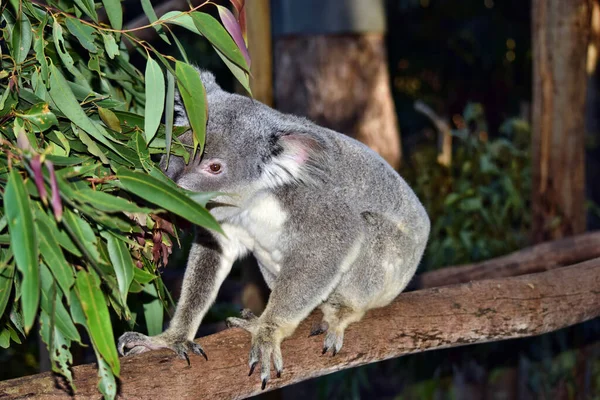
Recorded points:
(560, 31)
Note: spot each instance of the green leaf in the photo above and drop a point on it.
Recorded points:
(153, 311)
(39, 46)
(151, 14)
(121, 261)
(88, 7)
(112, 49)
(51, 300)
(154, 191)
(49, 223)
(242, 76)
(54, 257)
(23, 243)
(142, 276)
(142, 151)
(92, 147)
(21, 38)
(39, 116)
(109, 203)
(219, 38)
(194, 99)
(169, 113)
(84, 33)
(97, 317)
(110, 119)
(155, 98)
(82, 233)
(114, 12)
(65, 56)
(107, 385)
(66, 102)
(58, 348)
(7, 273)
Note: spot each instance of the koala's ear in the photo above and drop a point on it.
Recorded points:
(296, 158)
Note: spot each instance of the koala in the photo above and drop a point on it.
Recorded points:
(330, 223)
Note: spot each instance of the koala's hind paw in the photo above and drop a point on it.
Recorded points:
(333, 341)
(264, 348)
(135, 343)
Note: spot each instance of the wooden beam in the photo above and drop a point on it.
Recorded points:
(477, 312)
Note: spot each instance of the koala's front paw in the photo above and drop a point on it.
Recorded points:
(265, 345)
(135, 343)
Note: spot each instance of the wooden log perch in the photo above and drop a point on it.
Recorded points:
(477, 312)
(539, 258)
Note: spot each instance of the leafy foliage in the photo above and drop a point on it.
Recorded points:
(479, 205)
(86, 215)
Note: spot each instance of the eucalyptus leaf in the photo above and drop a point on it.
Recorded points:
(23, 242)
(155, 98)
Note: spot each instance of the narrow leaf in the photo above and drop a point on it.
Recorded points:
(219, 38)
(97, 317)
(23, 243)
(54, 257)
(232, 26)
(155, 98)
(154, 191)
(21, 38)
(169, 113)
(151, 14)
(194, 99)
(39, 116)
(153, 311)
(65, 56)
(112, 49)
(7, 273)
(51, 300)
(122, 262)
(114, 12)
(84, 33)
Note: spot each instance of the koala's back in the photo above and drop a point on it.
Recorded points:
(369, 184)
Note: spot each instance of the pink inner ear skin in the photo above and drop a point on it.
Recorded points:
(299, 147)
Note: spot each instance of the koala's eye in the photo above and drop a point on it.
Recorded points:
(215, 168)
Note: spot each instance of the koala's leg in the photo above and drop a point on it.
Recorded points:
(337, 317)
(209, 262)
(304, 282)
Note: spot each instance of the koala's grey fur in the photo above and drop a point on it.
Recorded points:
(331, 224)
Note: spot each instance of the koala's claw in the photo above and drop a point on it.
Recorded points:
(318, 328)
(333, 342)
(252, 368)
(136, 343)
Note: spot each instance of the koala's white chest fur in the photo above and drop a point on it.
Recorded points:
(258, 228)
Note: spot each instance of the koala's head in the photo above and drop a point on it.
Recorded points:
(249, 147)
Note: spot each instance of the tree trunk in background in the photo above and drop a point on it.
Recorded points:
(340, 82)
(560, 31)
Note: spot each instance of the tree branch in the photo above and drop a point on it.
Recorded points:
(539, 258)
(477, 312)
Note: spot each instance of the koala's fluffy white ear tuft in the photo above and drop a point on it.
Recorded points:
(296, 158)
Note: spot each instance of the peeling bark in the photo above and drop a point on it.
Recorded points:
(477, 312)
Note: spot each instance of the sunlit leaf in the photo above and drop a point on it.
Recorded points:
(155, 98)
(232, 26)
(194, 99)
(219, 38)
(23, 243)
(39, 116)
